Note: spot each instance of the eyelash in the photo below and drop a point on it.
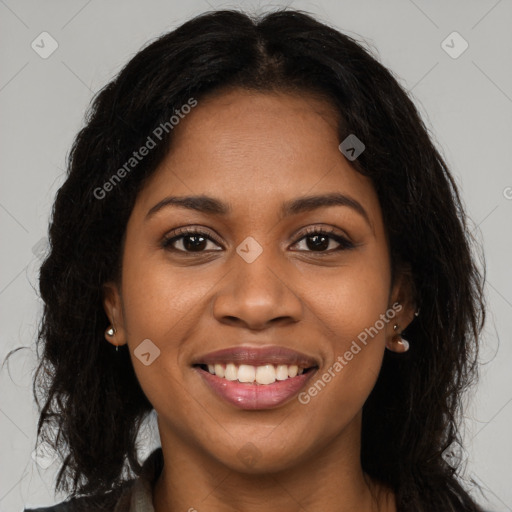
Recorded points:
(183, 232)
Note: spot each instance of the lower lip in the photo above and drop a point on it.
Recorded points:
(256, 396)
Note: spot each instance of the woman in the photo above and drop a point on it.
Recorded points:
(258, 240)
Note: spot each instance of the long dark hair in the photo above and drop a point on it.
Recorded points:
(93, 405)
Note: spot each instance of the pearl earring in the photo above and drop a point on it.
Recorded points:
(111, 331)
(399, 340)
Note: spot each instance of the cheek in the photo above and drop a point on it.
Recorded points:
(353, 313)
(160, 304)
(352, 298)
(159, 300)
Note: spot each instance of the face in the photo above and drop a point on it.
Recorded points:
(282, 264)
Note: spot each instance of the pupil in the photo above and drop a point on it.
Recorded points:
(313, 242)
(199, 244)
(319, 242)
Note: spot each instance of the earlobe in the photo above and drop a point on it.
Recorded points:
(114, 333)
(397, 343)
(404, 294)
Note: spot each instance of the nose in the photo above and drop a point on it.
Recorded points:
(257, 295)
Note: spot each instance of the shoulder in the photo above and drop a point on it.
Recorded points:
(117, 500)
(104, 503)
(72, 505)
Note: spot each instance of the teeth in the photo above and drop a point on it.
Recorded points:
(246, 373)
(266, 374)
(282, 372)
(219, 370)
(231, 372)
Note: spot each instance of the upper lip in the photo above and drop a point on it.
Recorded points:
(257, 356)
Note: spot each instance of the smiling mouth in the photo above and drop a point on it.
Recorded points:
(248, 374)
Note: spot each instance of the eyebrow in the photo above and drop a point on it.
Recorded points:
(213, 206)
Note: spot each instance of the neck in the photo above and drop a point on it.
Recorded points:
(330, 480)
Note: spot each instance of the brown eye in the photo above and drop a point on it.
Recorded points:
(322, 241)
(318, 242)
(189, 241)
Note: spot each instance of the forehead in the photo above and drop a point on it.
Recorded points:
(255, 148)
(247, 126)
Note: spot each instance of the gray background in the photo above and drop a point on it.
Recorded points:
(466, 103)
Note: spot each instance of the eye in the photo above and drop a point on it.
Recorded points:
(320, 240)
(189, 240)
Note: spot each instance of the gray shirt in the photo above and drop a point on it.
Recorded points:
(135, 496)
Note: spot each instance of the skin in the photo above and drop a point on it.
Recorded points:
(254, 151)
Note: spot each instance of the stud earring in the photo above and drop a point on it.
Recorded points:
(399, 341)
(111, 331)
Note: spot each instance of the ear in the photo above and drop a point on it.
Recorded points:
(403, 292)
(113, 309)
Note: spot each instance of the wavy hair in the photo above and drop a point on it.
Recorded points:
(93, 405)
